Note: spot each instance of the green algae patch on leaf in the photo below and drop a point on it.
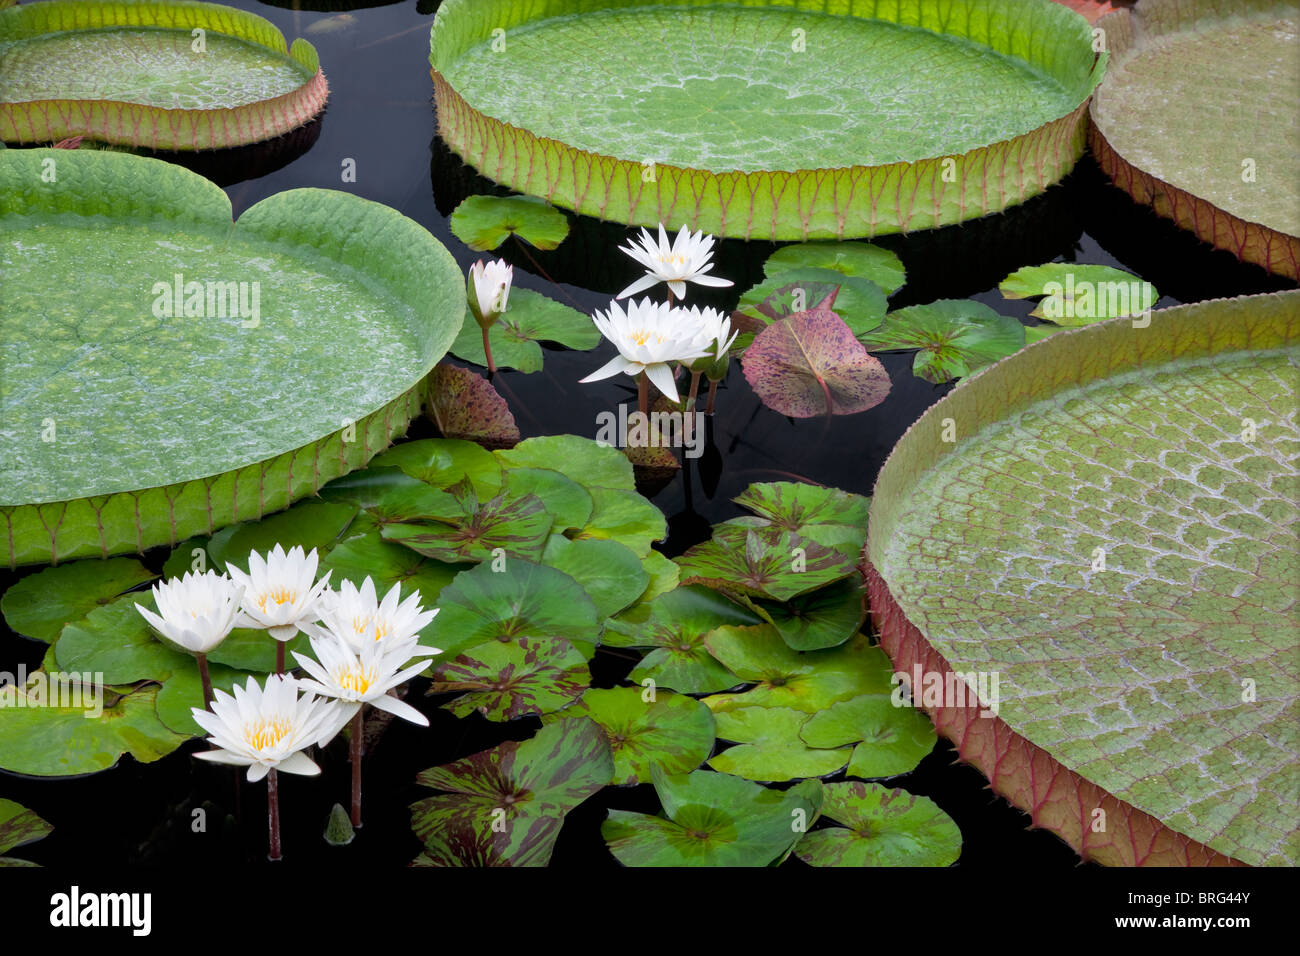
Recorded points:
(671, 732)
(769, 747)
(713, 819)
(1113, 536)
(891, 740)
(1076, 294)
(505, 806)
(484, 222)
(955, 337)
(880, 827)
(1181, 71)
(18, 827)
(811, 364)
(42, 740)
(138, 74)
(464, 405)
(510, 679)
(765, 561)
(128, 286)
(39, 605)
(859, 260)
(968, 107)
(530, 319)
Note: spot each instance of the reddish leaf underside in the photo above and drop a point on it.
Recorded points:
(463, 404)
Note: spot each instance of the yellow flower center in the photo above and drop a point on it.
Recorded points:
(672, 260)
(354, 679)
(279, 595)
(266, 732)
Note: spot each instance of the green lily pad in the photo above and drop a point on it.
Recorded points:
(1036, 333)
(18, 827)
(769, 747)
(672, 732)
(625, 517)
(713, 819)
(309, 524)
(513, 679)
(827, 515)
(183, 690)
(530, 318)
(955, 337)
(586, 462)
(675, 624)
(609, 572)
(46, 741)
(1078, 294)
(809, 681)
(566, 501)
(523, 600)
(40, 604)
(858, 259)
(463, 404)
(819, 619)
(386, 496)
(664, 575)
(762, 562)
(515, 526)
(859, 303)
(884, 828)
(893, 739)
(484, 222)
(442, 462)
(370, 556)
(505, 806)
(115, 640)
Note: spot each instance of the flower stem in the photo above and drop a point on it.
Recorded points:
(689, 427)
(358, 729)
(279, 657)
(273, 806)
(643, 394)
(487, 350)
(206, 679)
(713, 394)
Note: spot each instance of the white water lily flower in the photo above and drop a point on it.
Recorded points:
(715, 330)
(489, 289)
(649, 337)
(196, 611)
(356, 615)
(362, 677)
(281, 593)
(685, 260)
(267, 728)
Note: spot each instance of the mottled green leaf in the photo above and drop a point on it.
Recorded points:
(893, 739)
(859, 303)
(514, 526)
(509, 679)
(884, 828)
(530, 318)
(18, 827)
(819, 619)
(769, 747)
(763, 562)
(955, 337)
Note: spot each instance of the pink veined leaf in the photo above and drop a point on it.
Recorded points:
(810, 364)
(1090, 10)
(463, 404)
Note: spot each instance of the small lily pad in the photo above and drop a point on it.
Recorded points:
(763, 562)
(463, 404)
(183, 690)
(566, 501)
(442, 462)
(819, 619)
(1077, 294)
(590, 464)
(860, 259)
(506, 525)
(484, 222)
(40, 604)
(505, 806)
(117, 642)
(827, 515)
(609, 572)
(893, 739)
(955, 337)
(513, 679)
(671, 732)
(530, 318)
(713, 819)
(859, 303)
(18, 827)
(769, 747)
(370, 556)
(625, 517)
(884, 828)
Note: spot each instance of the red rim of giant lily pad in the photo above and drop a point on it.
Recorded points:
(1062, 520)
(129, 120)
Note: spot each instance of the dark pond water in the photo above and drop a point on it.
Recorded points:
(381, 116)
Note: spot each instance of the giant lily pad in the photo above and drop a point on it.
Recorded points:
(965, 106)
(881, 828)
(1181, 71)
(175, 74)
(1112, 537)
(18, 827)
(713, 819)
(505, 806)
(128, 424)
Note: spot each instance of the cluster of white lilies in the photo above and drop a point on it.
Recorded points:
(362, 647)
(652, 337)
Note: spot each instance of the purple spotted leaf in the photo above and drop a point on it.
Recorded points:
(765, 561)
(467, 530)
(463, 404)
(514, 678)
(810, 364)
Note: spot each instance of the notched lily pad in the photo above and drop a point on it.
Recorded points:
(40, 604)
(1074, 294)
(763, 562)
(505, 680)
(769, 747)
(955, 337)
(530, 318)
(484, 222)
(515, 527)
(890, 740)
(881, 827)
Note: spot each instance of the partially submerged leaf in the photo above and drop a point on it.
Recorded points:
(884, 828)
(859, 259)
(955, 337)
(463, 404)
(484, 222)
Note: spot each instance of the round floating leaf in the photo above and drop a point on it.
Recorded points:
(885, 828)
(858, 259)
(117, 642)
(442, 462)
(40, 604)
(609, 572)
(799, 507)
(463, 404)
(233, 417)
(513, 526)
(810, 364)
(47, 741)
(530, 318)
(861, 304)
(370, 556)
(513, 679)
(566, 501)
(183, 690)
(386, 496)
(769, 746)
(625, 517)
(809, 682)
(528, 786)
(309, 524)
(1113, 539)
(1079, 294)
(762, 562)
(484, 222)
(18, 827)
(127, 73)
(524, 600)
(586, 462)
(955, 337)
(671, 733)
(893, 739)
(955, 112)
(713, 819)
(819, 619)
